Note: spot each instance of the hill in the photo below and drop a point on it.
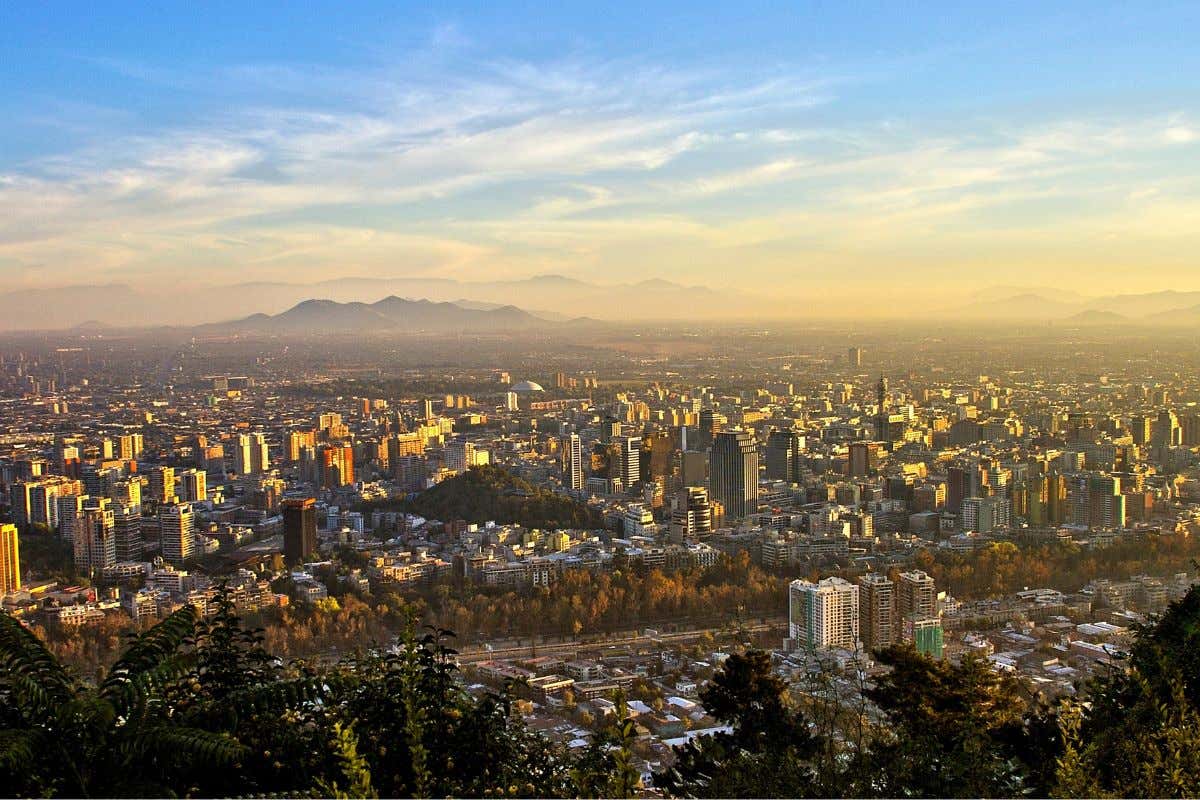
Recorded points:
(490, 493)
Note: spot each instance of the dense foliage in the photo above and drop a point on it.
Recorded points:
(198, 707)
(489, 493)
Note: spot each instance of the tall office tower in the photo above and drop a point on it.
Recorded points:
(1106, 504)
(299, 529)
(707, 429)
(10, 559)
(692, 515)
(337, 466)
(631, 460)
(854, 356)
(178, 533)
(783, 455)
(574, 463)
(734, 473)
(864, 458)
(916, 594)
(95, 539)
(877, 611)
(251, 457)
(693, 468)
(560, 380)
(193, 486)
(881, 413)
(162, 486)
(1141, 428)
(426, 409)
(823, 615)
(1167, 432)
(328, 420)
(511, 401)
(400, 445)
(127, 530)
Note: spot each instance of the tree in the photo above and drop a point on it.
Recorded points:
(1139, 733)
(60, 737)
(949, 728)
(769, 752)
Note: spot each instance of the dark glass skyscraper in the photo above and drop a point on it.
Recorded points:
(299, 530)
(734, 473)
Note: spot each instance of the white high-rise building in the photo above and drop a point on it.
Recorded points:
(178, 533)
(574, 470)
(823, 615)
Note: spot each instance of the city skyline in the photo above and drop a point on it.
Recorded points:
(862, 154)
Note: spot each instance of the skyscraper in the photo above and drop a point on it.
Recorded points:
(10, 559)
(783, 455)
(95, 539)
(299, 529)
(877, 611)
(854, 356)
(178, 533)
(574, 463)
(631, 460)
(824, 614)
(734, 473)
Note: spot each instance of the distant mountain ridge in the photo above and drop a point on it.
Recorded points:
(389, 314)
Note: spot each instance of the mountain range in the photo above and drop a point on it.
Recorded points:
(550, 297)
(389, 314)
(448, 304)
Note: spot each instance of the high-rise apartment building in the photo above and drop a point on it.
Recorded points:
(177, 533)
(916, 594)
(823, 615)
(573, 463)
(734, 473)
(193, 486)
(299, 530)
(95, 538)
(127, 531)
(854, 356)
(877, 611)
(251, 456)
(10, 559)
(163, 489)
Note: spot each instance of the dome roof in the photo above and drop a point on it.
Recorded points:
(527, 386)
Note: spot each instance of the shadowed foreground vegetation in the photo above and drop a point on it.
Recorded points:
(198, 708)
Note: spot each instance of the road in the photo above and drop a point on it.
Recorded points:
(473, 654)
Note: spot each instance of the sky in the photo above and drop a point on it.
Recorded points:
(887, 152)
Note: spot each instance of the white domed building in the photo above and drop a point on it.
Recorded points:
(527, 387)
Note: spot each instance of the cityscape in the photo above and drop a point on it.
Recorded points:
(483, 441)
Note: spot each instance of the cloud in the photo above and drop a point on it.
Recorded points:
(516, 167)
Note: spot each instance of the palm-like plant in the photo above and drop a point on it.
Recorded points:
(119, 738)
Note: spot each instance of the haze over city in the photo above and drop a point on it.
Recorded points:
(661, 400)
(861, 153)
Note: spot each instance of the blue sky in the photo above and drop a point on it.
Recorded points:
(797, 146)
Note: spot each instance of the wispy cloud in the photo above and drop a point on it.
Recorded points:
(505, 166)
